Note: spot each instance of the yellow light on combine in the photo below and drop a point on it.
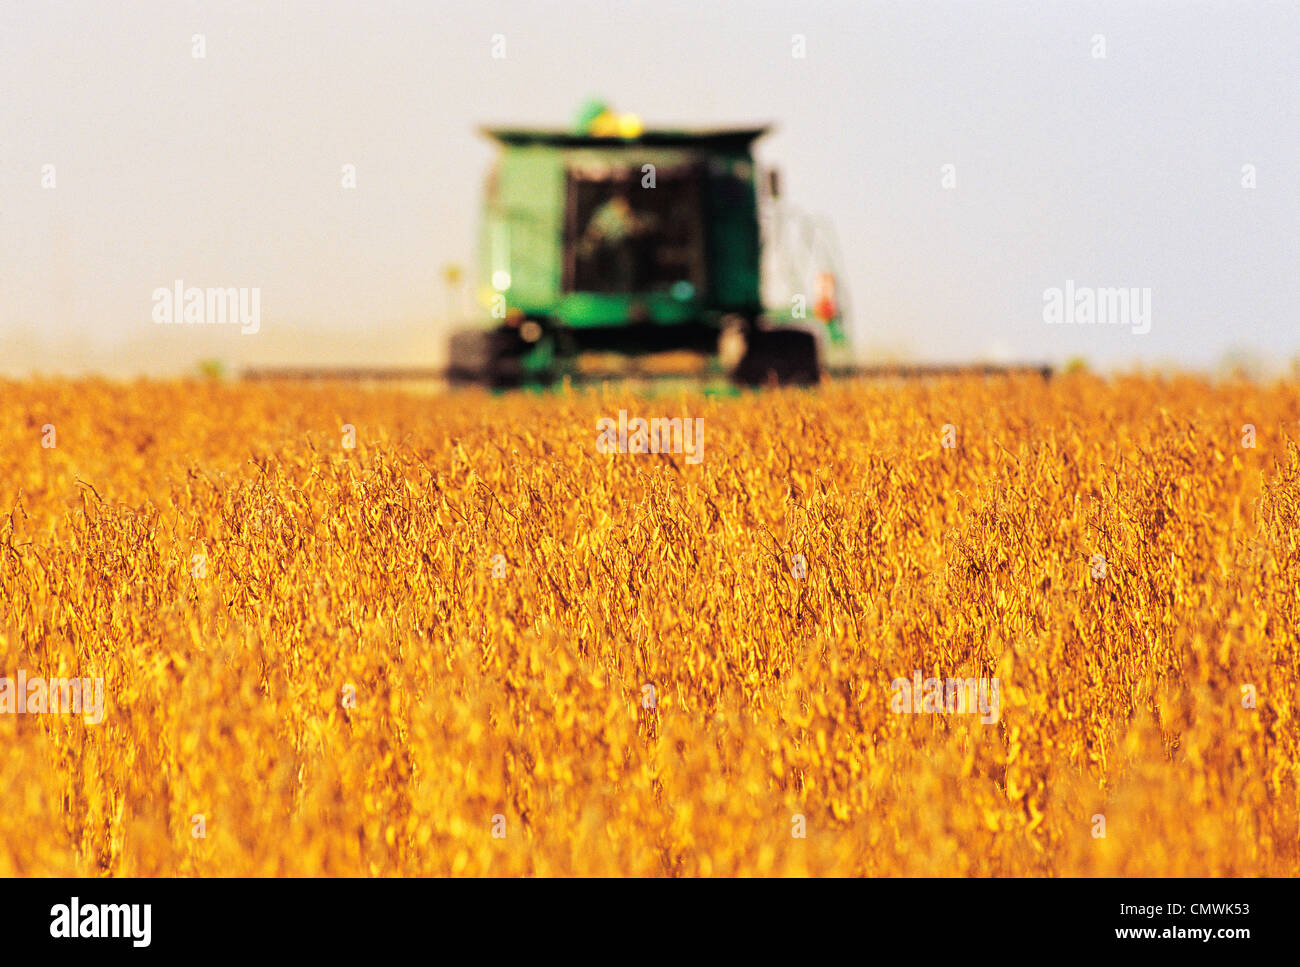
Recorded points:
(608, 124)
(630, 126)
(604, 124)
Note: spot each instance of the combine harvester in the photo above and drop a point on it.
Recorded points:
(609, 249)
(617, 243)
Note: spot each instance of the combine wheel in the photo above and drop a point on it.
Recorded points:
(787, 357)
(485, 357)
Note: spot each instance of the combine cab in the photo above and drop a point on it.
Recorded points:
(616, 242)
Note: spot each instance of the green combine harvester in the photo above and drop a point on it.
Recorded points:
(611, 241)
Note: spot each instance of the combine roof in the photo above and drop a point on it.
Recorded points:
(720, 138)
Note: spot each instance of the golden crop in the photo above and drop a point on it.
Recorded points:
(314, 656)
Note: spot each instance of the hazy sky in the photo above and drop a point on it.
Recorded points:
(1122, 170)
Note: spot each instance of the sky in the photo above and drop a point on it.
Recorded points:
(1151, 146)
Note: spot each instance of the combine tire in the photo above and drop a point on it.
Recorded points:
(787, 357)
(485, 358)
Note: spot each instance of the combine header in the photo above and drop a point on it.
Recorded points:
(615, 240)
